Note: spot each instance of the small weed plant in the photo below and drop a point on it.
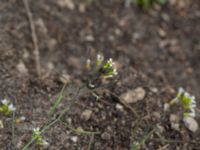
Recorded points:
(99, 69)
(6, 107)
(186, 101)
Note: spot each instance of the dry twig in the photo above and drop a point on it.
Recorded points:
(34, 37)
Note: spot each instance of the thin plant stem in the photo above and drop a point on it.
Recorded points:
(90, 144)
(13, 128)
(79, 131)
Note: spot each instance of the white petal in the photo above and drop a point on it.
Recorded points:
(186, 94)
(11, 107)
(5, 101)
(45, 143)
(181, 90)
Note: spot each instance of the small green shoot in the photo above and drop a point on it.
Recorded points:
(58, 100)
(140, 144)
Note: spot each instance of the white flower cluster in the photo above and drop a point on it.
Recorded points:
(6, 107)
(109, 67)
(36, 131)
(105, 68)
(186, 101)
(37, 135)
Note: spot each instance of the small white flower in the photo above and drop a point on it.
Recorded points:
(193, 105)
(115, 71)
(192, 113)
(110, 62)
(181, 90)
(11, 107)
(193, 102)
(5, 101)
(186, 94)
(45, 143)
(36, 131)
(100, 57)
(91, 85)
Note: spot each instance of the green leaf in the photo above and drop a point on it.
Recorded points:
(57, 101)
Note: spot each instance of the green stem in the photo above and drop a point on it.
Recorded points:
(90, 144)
(13, 128)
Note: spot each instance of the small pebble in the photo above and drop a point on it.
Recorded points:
(105, 136)
(74, 139)
(166, 107)
(119, 107)
(191, 123)
(133, 96)
(22, 68)
(66, 3)
(156, 115)
(174, 120)
(154, 90)
(86, 115)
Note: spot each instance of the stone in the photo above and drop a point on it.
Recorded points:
(191, 124)
(86, 114)
(161, 32)
(89, 38)
(66, 3)
(133, 96)
(74, 139)
(154, 90)
(166, 107)
(119, 107)
(105, 136)
(174, 121)
(156, 115)
(22, 68)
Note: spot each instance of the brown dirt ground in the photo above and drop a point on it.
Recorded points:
(157, 49)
